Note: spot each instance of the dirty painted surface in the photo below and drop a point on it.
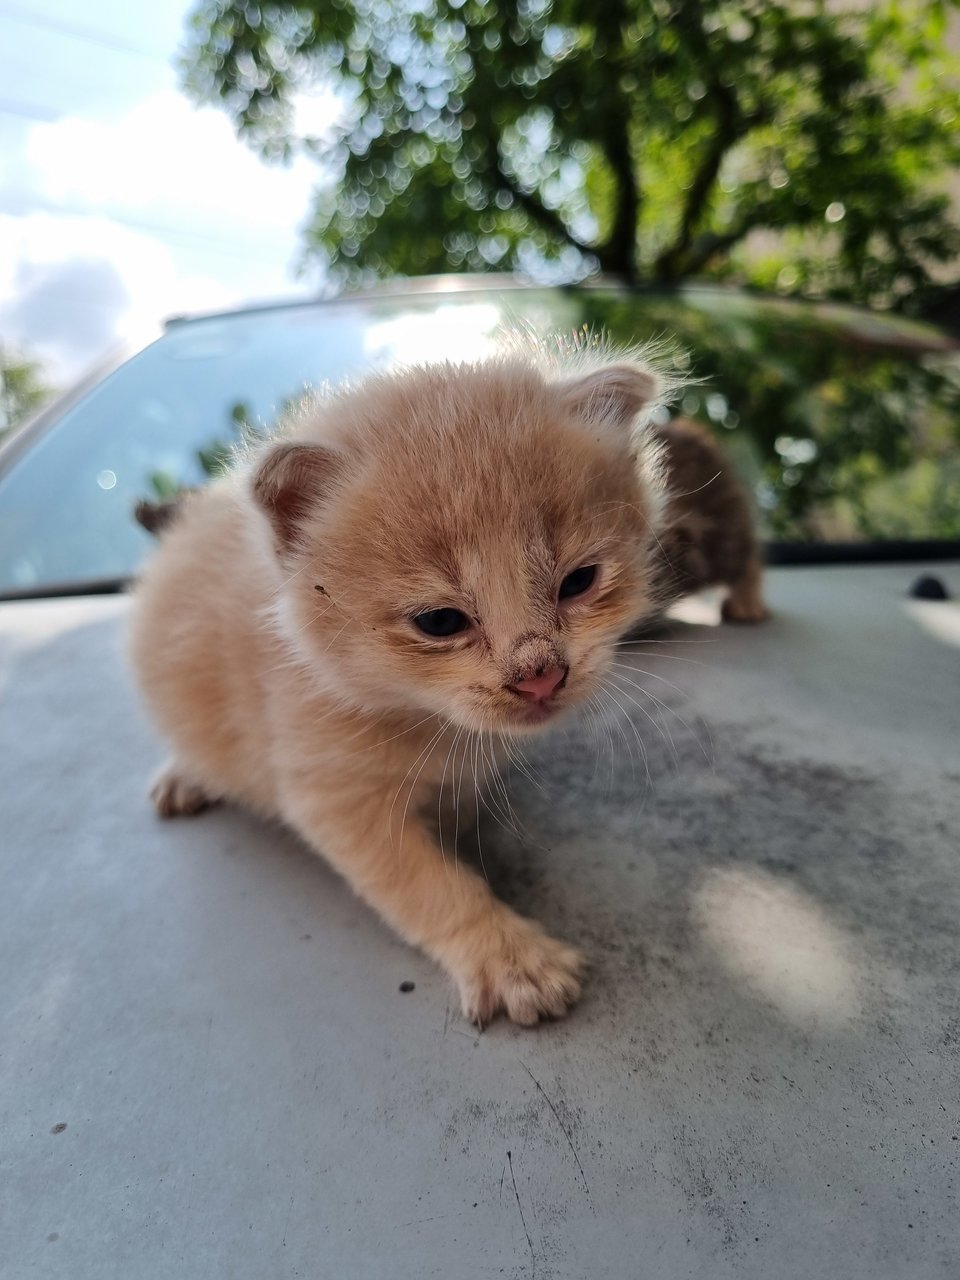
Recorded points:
(208, 1066)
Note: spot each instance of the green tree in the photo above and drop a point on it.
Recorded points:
(646, 138)
(23, 389)
(846, 426)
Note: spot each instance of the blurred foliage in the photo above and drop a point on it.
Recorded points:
(23, 389)
(648, 138)
(165, 485)
(845, 424)
(218, 455)
(847, 427)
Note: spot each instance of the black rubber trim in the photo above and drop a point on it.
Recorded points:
(911, 552)
(96, 587)
(776, 553)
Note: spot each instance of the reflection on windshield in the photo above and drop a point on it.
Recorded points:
(454, 332)
(845, 425)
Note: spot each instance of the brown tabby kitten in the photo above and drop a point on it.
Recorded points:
(420, 567)
(707, 537)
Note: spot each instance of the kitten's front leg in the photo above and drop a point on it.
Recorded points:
(745, 600)
(176, 792)
(499, 960)
(503, 962)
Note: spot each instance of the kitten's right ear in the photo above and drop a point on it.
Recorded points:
(614, 393)
(290, 482)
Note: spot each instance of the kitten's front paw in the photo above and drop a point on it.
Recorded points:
(744, 606)
(174, 794)
(515, 968)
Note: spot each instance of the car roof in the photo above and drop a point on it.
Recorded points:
(903, 329)
(210, 1068)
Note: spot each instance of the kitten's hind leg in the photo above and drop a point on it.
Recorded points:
(745, 601)
(175, 793)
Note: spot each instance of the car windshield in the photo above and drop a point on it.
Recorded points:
(844, 423)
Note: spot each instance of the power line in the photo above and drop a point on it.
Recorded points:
(74, 32)
(26, 111)
(209, 241)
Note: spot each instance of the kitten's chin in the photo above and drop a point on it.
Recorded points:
(530, 717)
(538, 714)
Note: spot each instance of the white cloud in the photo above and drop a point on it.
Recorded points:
(174, 161)
(73, 287)
(112, 224)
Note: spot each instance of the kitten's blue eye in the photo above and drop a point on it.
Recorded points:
(442, 622)
(576, 583)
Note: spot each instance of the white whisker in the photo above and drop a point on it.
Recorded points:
(476, 790)
(670, 710)
(443, 775)
(456, 801)
(628, 666)
(690, 492)
(640, 743)
(627, 644)
(660, 727)
(424, 756)
(374, 746)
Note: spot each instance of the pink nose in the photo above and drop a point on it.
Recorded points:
(539, 688)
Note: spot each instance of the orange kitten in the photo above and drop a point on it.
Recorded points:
(429, 557)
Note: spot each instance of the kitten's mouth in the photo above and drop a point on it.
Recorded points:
(531, 714)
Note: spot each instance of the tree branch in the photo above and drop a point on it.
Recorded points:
(708, 246)
(730, 128)
(619, 254)
(549, 219)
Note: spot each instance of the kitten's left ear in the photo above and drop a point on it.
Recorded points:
(289, 483)
(615, 394)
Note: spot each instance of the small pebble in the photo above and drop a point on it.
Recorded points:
(407, 986)
(927, 587)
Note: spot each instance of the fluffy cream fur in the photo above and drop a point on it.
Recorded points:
(274, 640)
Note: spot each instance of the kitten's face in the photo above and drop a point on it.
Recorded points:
(478, 547)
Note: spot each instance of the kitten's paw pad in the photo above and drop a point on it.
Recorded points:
(524, 974)
(744, 608)
(173, 794)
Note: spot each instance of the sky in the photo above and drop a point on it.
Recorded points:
(120, 203)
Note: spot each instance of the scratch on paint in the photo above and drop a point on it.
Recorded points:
(563, 1127)
(533, 1256)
